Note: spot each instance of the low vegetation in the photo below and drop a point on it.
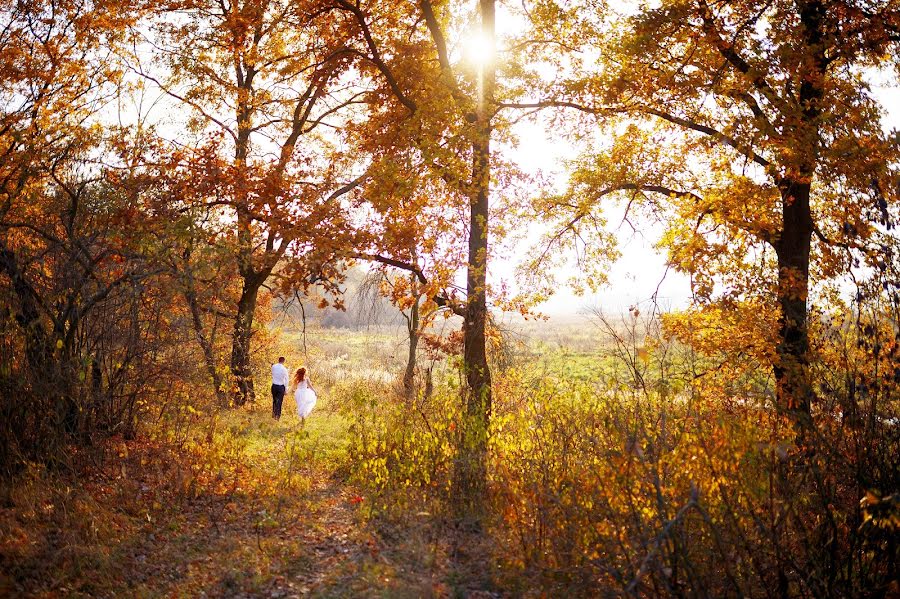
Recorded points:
(628, 476)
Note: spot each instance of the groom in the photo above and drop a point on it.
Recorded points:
(279, 386)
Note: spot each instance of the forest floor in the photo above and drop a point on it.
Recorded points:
(256, 509)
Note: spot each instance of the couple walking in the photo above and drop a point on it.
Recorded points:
(304, 394)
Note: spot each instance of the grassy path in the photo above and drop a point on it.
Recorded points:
(286, 526)
(256, 509)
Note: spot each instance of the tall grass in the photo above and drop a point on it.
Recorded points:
(644, 479)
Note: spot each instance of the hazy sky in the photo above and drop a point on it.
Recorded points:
(635, 277)
(641, 271)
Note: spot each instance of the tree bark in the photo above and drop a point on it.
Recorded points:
(793, 387)
(794, 393)
(413, 329)
(471, 469)
(252, 278)
(241, 369)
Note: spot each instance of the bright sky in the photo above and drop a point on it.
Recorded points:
(634, 278)
(641, 271)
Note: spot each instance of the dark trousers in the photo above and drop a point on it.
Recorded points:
(277, 398)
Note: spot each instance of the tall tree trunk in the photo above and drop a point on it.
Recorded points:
(253, 275)
(241, 368)
(793, 387)
(471, 468)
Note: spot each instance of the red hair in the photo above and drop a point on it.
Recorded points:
(301, 374)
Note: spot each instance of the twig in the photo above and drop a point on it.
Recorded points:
(657, 542)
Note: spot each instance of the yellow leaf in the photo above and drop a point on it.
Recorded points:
(644, 355)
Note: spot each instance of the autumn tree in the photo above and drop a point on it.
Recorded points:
(199, 260)
(408, 294)
(266, 78)
(49, 85)
(65, 269)
(444, 108)
(751, 131)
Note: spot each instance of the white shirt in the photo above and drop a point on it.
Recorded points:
(279, 374)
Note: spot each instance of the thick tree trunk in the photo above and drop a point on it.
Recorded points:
(241, 368)
(471, 469)
(793, 387)
(253, 275)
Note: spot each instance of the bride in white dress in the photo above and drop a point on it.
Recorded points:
(304, 394)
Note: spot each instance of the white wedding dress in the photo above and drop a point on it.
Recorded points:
(305, 398)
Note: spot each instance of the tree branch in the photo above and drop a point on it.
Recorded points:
(736, 60)
(375, 57)
(441, 300)
(715, 134)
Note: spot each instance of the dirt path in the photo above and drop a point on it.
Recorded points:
(264, 510)
(258, 537)
(287, 526)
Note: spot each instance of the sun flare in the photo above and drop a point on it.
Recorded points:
(478, 49)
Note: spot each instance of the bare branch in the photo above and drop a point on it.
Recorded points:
(714, 133)
(441, 300)
(347, 188)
